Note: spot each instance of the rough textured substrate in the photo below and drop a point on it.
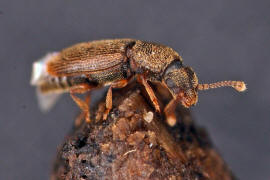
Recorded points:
(136, 143)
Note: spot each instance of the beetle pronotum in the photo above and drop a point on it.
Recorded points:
(86, 66)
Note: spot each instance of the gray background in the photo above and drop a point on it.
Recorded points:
(220, 39)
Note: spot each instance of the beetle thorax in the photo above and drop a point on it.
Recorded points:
(152, 57)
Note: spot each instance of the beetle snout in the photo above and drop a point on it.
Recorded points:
(189, 98)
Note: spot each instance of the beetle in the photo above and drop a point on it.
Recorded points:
(113, 63)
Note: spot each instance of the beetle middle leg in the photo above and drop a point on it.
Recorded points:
(117, 84)
(83, 104)
(149, 90)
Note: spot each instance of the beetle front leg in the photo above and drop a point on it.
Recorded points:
(170, 112)
(118, 84)
(149, 90)
(83, 104)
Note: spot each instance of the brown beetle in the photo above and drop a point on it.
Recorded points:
(85, 66)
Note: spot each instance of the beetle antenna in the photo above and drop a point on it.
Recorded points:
(237, 85)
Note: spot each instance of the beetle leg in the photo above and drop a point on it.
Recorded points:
(118, 84)
(83, 115)
(170, 113)
(149, 91)
(108, 103)
(83, 104)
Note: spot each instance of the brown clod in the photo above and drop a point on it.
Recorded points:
(125, 146)
(120, 130)
(136, 138)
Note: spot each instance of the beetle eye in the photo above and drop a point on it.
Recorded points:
(170, 83)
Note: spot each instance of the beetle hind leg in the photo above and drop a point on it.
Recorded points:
(84, 107)
(84, 115)
(83, 104)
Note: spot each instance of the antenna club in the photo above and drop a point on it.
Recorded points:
(240, 86)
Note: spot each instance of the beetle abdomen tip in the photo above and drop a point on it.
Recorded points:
(39, 72)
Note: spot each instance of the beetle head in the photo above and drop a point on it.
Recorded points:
(182, 83)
